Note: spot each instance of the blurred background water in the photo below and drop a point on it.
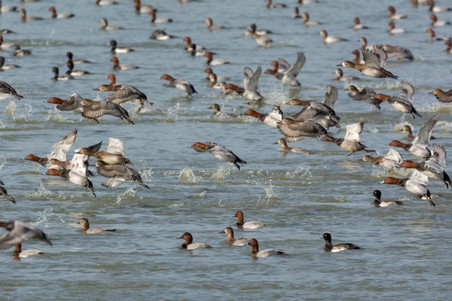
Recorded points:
(405, 250)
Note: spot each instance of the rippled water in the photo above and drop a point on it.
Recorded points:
(405, 250)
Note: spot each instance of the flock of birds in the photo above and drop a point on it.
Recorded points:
(313, 120)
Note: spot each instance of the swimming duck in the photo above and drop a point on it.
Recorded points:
(394, 30)
(161, 35)
(4, 66)
(104, 25)
(155, 20)
(436, 22)
(290, 149)
(270, 4)
(19, 52)
(118, 66)
(88, 230)
(393, 13)
(379, 203)
(54, 14)
(416, 184)
(327, 39)
(250, 225)
(358, 25)
(19, 253)
(25, 18)
(329, 247)
(219, 115)
(115, 49)
(231, 240)
(220, 152)
(56, 75)
(255, 253)
(74, 73)
(307, 21)
(211, 61)
(210, 26)
(340, 76)
(375, 61)
(18, 231)
(433, 8)
(70, 57)
(142, 8)
(190, 245)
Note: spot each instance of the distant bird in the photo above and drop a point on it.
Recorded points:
(88, 230)
(379, 203)
(264, 253)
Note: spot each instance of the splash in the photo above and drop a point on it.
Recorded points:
(128, 193)
(269, 193)
(2, 161)
(188, 175)
(221, 173)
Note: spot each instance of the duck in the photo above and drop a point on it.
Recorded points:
(434, 166)
(290, 149)
(433, 8)
(190, 245)
(416, 184)
(419, 145)
(288, 74)
(262, 40)
(229, 88)
(231, 240)
(307, 21)
(56, 75)
(114, 154)
(88, 230)
(391, 160)
(118, 66)
(19, 253)
(8, 90)
(155, 20)
(270, 119)
(392, 51)
(220, 152)
(115, 49)
(54, 14)
(393, 14)
(351, 141)
(179, 84)
(106, 2)
(193, 49)
(403, 102)
(379, 203)
(73, 103)
(358, 25)
(296, 13)
(393, 29)
(433, 36)
(271, 5)
(210, 26)
(110, 86)
(24, 18)
(96, 109)
(19, 52)
(329, 247)
(4, 66)
(252, 30)
(117, 174)
(123, 93)
(4, 193)
(442, 96)
(374, 63)
(436, 22)
(251, 83)
(340, 76)
(18, 231)
(327, 39)
(58, 151)
(250, 225)
(357, 57)
(76, 175)
(448, 43)
(74, 73)
(70, 57)
(219, 115)
(212, 62)
(365, 94)
(161, 35)
(77, 163)
(142, 8)
(296, 130)
(255, 253)
(104, 25)
(4, 45)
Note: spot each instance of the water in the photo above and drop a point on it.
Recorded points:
(405, 250)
